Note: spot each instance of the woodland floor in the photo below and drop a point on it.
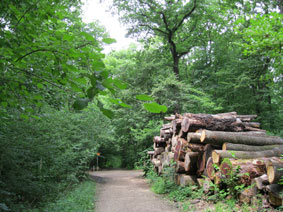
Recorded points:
(126, 191)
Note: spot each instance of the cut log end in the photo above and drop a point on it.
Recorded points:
(224, 146)
(215, 157)
(270, 173)
(202, 137)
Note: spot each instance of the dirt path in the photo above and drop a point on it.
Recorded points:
(126, 191)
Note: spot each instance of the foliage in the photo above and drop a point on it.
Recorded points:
(41, 157)
(46, 48)
(80, 198)
(165, 19)
(230, 184)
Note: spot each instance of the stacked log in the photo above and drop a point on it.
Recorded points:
(193, 144)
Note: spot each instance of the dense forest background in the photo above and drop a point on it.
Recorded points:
(62, 100)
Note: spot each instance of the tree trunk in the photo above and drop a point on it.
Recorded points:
(247, 194)
(193, 137)
(158, 150)
(176, 125)
(218, 155)
(158, 139)
(191, 159)
(275, 194)
(180, 167)
(208, 149)
(180, 149)
(186, 180)
(176, 64)
(217, 137)
(196, 147)
(243, 147)
(275, 171)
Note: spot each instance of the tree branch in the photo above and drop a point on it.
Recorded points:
(185, 16)
(34, 51)
(43, 79)
(154, 29)
(25, 13)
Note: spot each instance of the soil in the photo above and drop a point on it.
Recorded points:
(127, 191)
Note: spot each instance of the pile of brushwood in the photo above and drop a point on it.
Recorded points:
(207, 149)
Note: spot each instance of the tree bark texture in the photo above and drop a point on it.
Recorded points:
(217, 137)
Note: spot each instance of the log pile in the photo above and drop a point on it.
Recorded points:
(194, 143)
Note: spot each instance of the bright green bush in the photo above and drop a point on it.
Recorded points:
(80, 199)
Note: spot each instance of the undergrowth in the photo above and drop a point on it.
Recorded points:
(80, 199)
(219, 199)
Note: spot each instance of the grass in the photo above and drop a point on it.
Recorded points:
(79, 199)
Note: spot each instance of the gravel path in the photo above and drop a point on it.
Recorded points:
(126, 191)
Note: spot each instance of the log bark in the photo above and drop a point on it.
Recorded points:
(217, 137)
(275, 194)
(174, 141)
(150, 152)
(196, 147)
(180, 167)
(180, 149)
(214, 122)
(170, 118)
(243, 147)
(158, 139)
(193, 137)
(158, 150)
(261, 182)
(252, 124)
(177, 179)
(156, 162)
(176, 125)
(186, 180)
(275, 172)
(208, 149)
(247, 194)
(246, 118)
(191, 159)
(218, 155)
(167, 126)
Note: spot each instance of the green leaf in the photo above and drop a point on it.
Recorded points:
(24, 116)
(87, 36)
(109, 40)
(4, 104)
(153, 107)
(119, 84)
(107, 113)
(37, 97)
(144, 97)
(81, 80)
(39, 85)
(125, 105)
(75, 87)
(114, 101)
(80, 104)
(91, 92)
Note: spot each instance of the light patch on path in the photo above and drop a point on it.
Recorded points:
(126, 191)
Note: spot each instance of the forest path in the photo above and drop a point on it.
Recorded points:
(126, 191)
